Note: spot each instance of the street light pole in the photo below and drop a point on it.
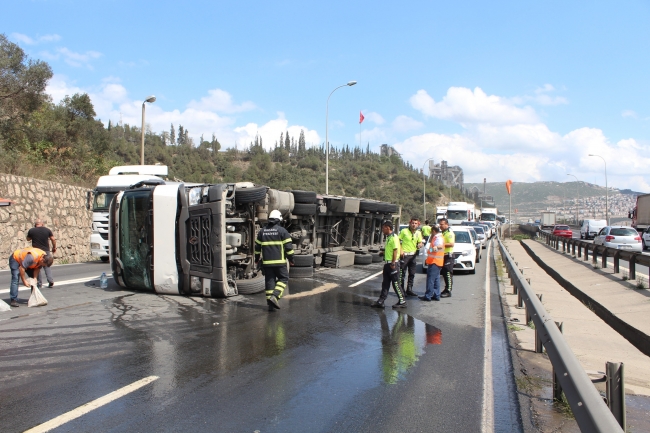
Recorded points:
(327, 143)
(606, 190)
(424, 189)
(150, 99)
(578, 201)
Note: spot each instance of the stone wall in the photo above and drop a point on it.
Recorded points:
(61, 207)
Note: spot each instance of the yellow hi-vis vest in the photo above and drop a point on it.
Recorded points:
(435, 257)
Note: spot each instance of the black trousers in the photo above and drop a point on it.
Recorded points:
(447, 272)
(391, 278)
(408, 263)
(275, 279)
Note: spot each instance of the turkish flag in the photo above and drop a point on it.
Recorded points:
(361, 117)
(508, 185)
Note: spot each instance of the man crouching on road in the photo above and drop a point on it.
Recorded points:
(274, 245)
(26, 260)
(391, 268)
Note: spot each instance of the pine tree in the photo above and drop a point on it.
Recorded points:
(109, 125)
(287, 142)
(282, 139)
(172, 135)
(181, 135)
(302, 146)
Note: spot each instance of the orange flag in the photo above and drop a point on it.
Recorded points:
(508, 185)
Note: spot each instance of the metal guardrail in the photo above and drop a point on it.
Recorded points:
(589, 409)
(581, 248)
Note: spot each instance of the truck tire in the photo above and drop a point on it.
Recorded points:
(376, 258)
(303, 261)
(308, 197)
(251, 286)
(301, 272)
(250, 195)
(304, 209)
(105, 259)
(362, 259)
(368, 206)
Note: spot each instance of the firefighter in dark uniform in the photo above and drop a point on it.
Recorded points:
(274, 245)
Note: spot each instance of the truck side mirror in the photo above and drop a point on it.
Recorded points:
(88, 197)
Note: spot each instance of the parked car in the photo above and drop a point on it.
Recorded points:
(563, 231)
(620, 237)
(590, 228)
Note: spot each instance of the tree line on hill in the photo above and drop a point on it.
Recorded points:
(65, 142)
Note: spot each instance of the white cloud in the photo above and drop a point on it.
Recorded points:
(111, 101)
(220, 101)
(19, 37)
(629, 113)
(373, 117)
(73, 58)
(404, 123)
(374, 136)
(469, 107)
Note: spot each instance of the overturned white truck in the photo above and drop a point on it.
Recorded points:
(199, 240)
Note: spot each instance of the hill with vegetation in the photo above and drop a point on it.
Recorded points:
(65, 142)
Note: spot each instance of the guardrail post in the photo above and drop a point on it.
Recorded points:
(633, 267)
(557, 388)
(586, 253)
(603, 261)
(594, 255)
(520, 301)
(539, 347)
(580, 249)
(616, 391)
(564, 246)
(617, 267)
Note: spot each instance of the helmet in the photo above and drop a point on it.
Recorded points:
(275, 215)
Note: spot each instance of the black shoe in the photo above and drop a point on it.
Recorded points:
(377, 304)
(400, 305)
(51, 284)
(411, 293)
(445, 294)
(424, 298)
(273, 302)
(435, 299)
(14, 303)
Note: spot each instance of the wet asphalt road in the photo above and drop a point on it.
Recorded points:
(325, 362)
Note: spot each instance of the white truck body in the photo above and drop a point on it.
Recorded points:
(641, 213)
(441, 212)
(489, 214)
(118, 179)
(459, 211)
(548, 220)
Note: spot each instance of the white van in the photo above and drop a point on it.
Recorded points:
(590, 228)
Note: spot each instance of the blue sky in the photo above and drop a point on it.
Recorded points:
(503, 89)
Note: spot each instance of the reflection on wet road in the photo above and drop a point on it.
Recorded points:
(324, 362)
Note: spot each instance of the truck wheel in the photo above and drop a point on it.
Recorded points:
(297, 272)
(304, 209)
(303, 260)
(368, 206)
(308, 197)
(362, 259)
(251, 286)
(250, 195)
(105, 259)
(376, 258)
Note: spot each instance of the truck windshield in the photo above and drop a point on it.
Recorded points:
(457, 214)
(135, 238)
(102, 201)
(488, 217)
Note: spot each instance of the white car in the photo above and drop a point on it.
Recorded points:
(590, 228)
(620, 237)
(482, 235)
(645, 239)
(465, 250)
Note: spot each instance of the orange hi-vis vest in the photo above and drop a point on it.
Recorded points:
(19, 255)
(435, 257)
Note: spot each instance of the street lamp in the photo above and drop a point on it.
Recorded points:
(149, 99)
(424, 189)
(606, 190)
(327, 143)
(578, 201)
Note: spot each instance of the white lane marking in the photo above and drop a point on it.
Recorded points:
(58, 283)
(90, 406)
(488, 391)
(97, 262)
(366, 279)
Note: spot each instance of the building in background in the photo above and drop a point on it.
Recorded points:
(448, 175)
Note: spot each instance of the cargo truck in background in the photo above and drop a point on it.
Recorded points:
(489, 214)
(459, 211)
(547, 220)
(441, 212)
(640, 215)
(118, 179)
(199, 240)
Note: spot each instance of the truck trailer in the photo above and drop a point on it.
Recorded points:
(640, 215)
(547, 220)
(199, 240)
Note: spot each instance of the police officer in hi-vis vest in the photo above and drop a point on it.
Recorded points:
(447, 270)
(274, 245)
(435, 260)
(391, 268)
(411, 241)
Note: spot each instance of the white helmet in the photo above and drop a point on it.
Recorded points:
(275, 215)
